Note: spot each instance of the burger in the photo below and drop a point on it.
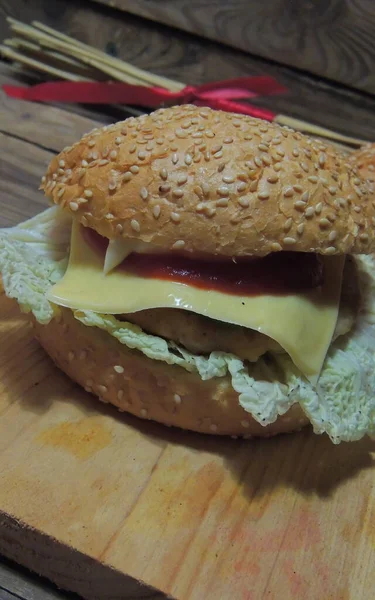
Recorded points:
(206, 270)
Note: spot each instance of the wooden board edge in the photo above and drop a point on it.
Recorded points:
(66, 567)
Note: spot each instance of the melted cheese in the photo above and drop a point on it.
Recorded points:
(118, 250)
(303, 324)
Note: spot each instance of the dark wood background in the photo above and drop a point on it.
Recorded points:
(193, 60)
(330, 38)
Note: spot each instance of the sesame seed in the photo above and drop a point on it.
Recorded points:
(221, 167)
(61, 192)
(218, 154)
(118, 140)
(323, 223)
(143, 193)
(277, 166)
(209, 133)
(276, 247)
(332, 190)
(135, 225)
(280, 152)
(244, 202)
(103, 162)
(222, 202)
(273, 178)
(304, 166)
(102, 389)
(258, 161)
(207, 156)
(241, 187)
(300, 228)
(300, 205)
(134, 169)
(295, 152)
(330, 250)
(288, 192)
(298, 188)
(263, 147)
(223, 190)
(228, 178)
(88, 193)
(164, 174)
(118, 369)
(289, 241)
(178, 193)
(263, 195)
(229, 140)
(112, 185)
(182, 179)
(120, 394)
(62, 163)
(74, 206)
(165, 188)
(84, 163)
(332, 236)
(266, 160)
(119, 228)
(177, 398)
(309, 211)
(245, 423)
(205, 189)
(363, 237)
(175, 159)
(287, 225)
(318, 208)
(127, 176)
(175, 217)
(132, 148)
(305, 197)
(142, 155)
(322, 159)
(213, 427)
(156, 211)
(178, 245)
(143, 412)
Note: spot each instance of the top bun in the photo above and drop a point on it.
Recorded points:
(364, 160)
(194, 179)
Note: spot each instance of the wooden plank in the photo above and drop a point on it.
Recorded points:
(331, 39)
(185, 57)
(194, 516)
(22, 584)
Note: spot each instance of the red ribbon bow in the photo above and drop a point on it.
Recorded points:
(219, 94)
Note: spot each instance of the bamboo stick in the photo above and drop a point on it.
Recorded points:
(316, 130)
(50, 43)
(40, 66)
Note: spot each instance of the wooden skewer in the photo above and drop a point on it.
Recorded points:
(35, 50)
(40, 66)
(114, 62)
(65, 48)
(316, 130)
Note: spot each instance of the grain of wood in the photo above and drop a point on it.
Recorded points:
(192, 60)
(193, 516)
(330, 39)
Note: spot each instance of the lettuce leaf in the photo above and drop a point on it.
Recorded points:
(33, 256)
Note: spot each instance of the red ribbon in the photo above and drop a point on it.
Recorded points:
(219, 94)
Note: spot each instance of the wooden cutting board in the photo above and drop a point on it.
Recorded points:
(96, 500)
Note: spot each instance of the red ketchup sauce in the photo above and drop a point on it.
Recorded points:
(279, 273)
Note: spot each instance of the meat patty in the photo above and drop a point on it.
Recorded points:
(202, 335)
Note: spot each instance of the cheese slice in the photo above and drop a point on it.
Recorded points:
(118, 250)
(303, 324)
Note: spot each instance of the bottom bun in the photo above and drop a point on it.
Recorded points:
(151, 389)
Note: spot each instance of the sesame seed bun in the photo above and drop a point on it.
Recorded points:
(364, 160)
(151, 389)
(207, 181)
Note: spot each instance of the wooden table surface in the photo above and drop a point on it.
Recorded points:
(30, 133)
